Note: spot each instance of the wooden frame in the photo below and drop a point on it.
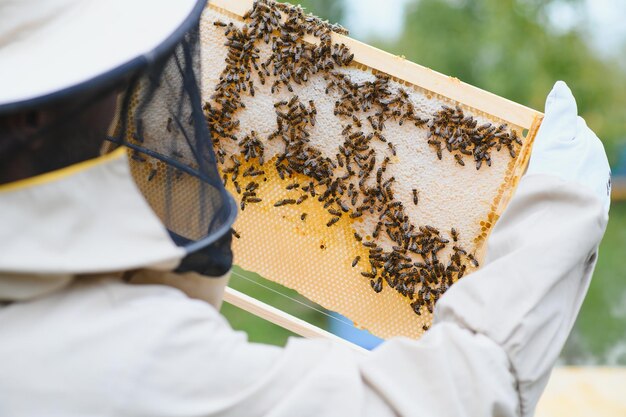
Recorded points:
(408, 73)
(280, 318)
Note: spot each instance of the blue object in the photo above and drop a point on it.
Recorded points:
(346, 331)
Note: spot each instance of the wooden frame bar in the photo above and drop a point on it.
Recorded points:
(282, 319)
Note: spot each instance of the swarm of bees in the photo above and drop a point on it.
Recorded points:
(459, 135)
(355, 183)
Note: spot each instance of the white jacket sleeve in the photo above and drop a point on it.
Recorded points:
(526, 298)
(198, 366)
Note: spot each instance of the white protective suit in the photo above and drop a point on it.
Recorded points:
(77, 340)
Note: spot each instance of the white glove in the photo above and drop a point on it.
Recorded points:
(567, 148)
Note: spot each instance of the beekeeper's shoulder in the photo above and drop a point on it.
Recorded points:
(151, 304)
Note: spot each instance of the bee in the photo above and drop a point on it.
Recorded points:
(284, 202)
(455, 234)
(293, 101)
(358, 237)
(152, 174)
(235, 233)
(334, 212)
(302, 198)
(234, 45)
(356, 261)
(473, 260)
(219, 23)
(303, 216)
(275, 87)
(434, 142)
(415, 196)
(377, 285)
(377, 230)
(355, 135)
(432, 230)
(384, 164)
(417, 307)
(383, 139)
(459, 160)
(462, 272)
(332, 221)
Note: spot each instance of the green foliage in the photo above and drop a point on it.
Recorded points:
(259, 330)
(599, 329)
(331, 10)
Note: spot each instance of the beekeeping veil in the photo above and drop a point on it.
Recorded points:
(88, 48)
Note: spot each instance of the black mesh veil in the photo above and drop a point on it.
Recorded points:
(161, 122)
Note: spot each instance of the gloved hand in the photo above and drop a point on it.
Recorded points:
(567, 148)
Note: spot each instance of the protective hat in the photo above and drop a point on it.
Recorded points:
(52, 50)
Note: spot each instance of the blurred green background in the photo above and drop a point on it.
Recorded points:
(516, 49)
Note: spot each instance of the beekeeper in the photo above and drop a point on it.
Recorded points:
(79, 336)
